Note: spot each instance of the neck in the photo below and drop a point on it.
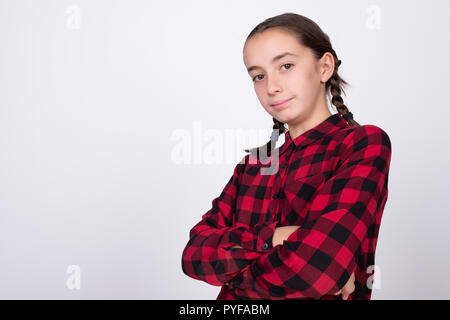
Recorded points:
(309, 121)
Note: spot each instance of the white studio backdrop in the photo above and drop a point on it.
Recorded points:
(98, 99)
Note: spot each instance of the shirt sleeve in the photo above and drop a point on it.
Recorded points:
(318, 258)
(208, 255)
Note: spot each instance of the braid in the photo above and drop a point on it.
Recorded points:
(335, 83)
(278, 128)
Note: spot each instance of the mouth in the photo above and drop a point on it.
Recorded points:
(281, 103)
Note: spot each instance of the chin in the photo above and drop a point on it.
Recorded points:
(285, 121)
(285, 118)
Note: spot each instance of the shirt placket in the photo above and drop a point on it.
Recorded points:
(280, 179)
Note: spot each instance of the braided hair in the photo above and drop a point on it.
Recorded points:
(309, 34)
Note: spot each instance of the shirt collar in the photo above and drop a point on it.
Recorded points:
(329, 125)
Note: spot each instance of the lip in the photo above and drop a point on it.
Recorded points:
(280, 103)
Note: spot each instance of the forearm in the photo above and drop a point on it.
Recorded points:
(280, 234)
(307, 265)
(212, 254)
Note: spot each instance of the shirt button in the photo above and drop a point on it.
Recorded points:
(265, 245)
(274, 196)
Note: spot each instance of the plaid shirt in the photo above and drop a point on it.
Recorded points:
(332, 181)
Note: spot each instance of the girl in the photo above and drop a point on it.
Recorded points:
(305, 227)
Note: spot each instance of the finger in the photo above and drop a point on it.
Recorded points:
(350, 289)
(347, 292)
(339, 292)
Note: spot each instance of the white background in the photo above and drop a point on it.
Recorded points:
(89, 104)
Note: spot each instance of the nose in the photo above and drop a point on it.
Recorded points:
(273, 85)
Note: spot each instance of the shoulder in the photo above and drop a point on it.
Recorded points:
(363, 142)
(365, 136)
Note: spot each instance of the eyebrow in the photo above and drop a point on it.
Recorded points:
(277, 57)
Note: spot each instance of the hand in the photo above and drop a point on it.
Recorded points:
(348, 288)
(282, 233)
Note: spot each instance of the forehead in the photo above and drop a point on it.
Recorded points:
(261, 48)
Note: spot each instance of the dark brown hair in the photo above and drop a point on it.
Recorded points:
(309, 34)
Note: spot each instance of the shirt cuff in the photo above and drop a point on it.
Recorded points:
(263, 236)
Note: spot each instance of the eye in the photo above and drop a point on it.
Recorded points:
(287, 64)
(256, 77)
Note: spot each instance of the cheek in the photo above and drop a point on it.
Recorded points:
(262, 99)
(303, 85)
(299, 81)
(260, 95)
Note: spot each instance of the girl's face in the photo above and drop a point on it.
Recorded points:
(283, 69)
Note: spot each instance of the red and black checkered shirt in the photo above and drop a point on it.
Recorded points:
(332, 181)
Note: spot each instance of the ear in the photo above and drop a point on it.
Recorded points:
(326, 67)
